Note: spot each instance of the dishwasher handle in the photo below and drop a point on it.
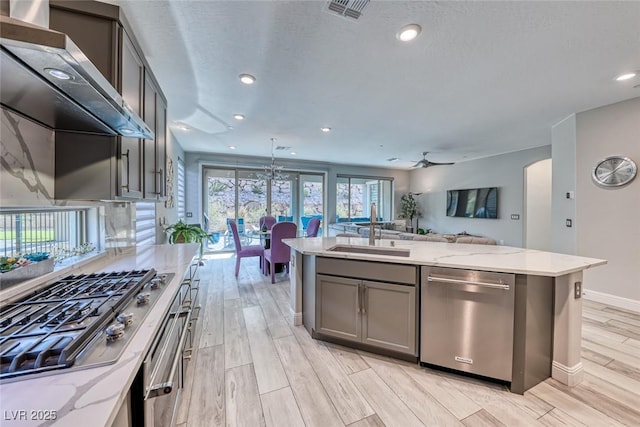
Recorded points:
(499, 285)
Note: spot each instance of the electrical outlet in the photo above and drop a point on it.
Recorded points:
(569, 223)
(189, 214)
(577, 290)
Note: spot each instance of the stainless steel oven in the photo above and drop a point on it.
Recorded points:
(162, 372)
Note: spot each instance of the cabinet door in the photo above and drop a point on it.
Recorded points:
(130, 168)
(161, 147)
(132, 74)
(389, 316)
(338, 307)
(150, 170)
(131, 83)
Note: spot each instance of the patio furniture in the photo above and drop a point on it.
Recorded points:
(246, 251)
(313, 227)
(279, 252)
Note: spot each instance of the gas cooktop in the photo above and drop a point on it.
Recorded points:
(78, 321)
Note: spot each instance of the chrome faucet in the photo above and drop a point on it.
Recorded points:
(372, 226)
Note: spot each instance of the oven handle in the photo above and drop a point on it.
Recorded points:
(163, 388)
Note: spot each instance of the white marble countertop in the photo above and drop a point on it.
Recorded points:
(92, 397)
(456, 255)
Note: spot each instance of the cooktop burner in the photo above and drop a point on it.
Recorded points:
(52, 327)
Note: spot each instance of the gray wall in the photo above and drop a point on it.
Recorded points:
(563, 170)
(608, 220)
(504, 171)
(195, 162)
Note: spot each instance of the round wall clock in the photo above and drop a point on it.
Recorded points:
(614, 171)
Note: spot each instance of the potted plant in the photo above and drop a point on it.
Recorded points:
(408, 208)
(181, 232)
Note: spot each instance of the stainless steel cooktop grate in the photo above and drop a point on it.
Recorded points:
(48, 329)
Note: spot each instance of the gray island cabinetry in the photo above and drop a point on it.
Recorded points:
(506, 313)
(372, 304)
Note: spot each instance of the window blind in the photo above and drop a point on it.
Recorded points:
(145, 223)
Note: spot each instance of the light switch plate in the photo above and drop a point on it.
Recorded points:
(515, 216)
(569, 223)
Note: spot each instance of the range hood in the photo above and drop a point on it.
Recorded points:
(44, 76)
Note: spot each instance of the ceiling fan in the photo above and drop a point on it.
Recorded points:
(424, 163)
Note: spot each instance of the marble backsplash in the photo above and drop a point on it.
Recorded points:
(27, 159)
(27, 179)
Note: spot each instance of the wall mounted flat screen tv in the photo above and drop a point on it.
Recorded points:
(473, 203)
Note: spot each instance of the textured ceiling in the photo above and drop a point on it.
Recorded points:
(483, 77)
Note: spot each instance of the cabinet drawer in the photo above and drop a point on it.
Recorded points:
(378, 271)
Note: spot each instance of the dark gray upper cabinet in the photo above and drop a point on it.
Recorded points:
(136, 166)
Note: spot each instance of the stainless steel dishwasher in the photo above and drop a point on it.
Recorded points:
(467, 321)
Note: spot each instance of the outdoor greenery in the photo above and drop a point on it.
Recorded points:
(357, 200)
(29, 235)
(252, 200)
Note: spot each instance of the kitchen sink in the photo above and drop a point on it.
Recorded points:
(372, 250)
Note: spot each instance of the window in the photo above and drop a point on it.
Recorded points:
(57, 231)
(241, 194)
(354, 196)
(181, 189)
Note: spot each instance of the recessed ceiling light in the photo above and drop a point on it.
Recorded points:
(625, 76)
(126, 131)
(59, 74)
(238, 116)
(182, 126)
(408, 32)
(232, 147)
(325, 129)
(247, 79)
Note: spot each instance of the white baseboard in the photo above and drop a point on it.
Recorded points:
(616, 301)
(296, 318)
(570, 376)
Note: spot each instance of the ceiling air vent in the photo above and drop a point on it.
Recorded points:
(348, 8)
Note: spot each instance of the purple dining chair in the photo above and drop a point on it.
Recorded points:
(246, 251)
(313, 227)
(279, 252)
(268, 220)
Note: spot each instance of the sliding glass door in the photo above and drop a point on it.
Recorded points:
(242, 194)
(354, 196)
(311, 198)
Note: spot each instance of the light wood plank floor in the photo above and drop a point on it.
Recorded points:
(251, 368)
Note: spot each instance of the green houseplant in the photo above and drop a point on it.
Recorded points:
(408, 208)
(181, 232)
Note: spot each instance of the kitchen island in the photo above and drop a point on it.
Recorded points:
(560, 274)
(95, 395)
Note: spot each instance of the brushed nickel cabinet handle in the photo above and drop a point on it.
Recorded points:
(128, 175)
